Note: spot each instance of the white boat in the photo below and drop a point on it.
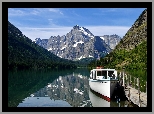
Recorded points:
(103, 81)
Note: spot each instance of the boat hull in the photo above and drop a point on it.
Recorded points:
(97, 100)
(103, 87)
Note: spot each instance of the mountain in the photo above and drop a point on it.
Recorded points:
(111, 40)
(79, 43)
(136, 34)
(131, 51)
(23, 53)
(42, 43)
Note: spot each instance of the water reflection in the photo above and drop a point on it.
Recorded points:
(24, 82)
(69, 89)
(43, 102)
(98, 101)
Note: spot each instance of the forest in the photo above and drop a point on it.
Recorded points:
(132, 59)
(25, 54)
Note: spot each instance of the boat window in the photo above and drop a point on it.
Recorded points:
(102, 73)
(99, 73)
(94, 75)
(111, 74)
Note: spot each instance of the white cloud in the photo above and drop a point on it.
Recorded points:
(108, 30)
(23, 11)
(55, 10)
(50, 19)
(46, 33)
(35, 12)
(16, 12)
(32, 11)
(108, 9)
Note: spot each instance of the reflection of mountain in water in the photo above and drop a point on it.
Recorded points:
(74, 89)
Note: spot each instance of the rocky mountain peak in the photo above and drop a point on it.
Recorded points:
(111, 40)
(77, 44)
(76, 27)
(77, 30)
(37, 39)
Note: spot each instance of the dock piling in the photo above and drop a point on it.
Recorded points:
(134, 82)
(130, 81)
(146, 86)
(129, 95)
(123, 80)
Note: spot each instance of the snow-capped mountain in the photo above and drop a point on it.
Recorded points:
(111, 40)
(77, 44)
(41, 42)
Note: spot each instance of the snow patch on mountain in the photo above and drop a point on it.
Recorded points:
(91, 56)
(102, 37)
(63, 47)
(86, 33)
(81, 57)
(49, 49)
(77, 43)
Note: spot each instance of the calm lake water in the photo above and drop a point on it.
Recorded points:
(46, 88)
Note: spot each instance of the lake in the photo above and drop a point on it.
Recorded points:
(47, 88)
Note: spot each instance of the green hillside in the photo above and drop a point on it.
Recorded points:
(131, 52)
(25, 54)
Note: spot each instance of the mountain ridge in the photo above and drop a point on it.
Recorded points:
(77, 44)
(25, 54)
(136, 34)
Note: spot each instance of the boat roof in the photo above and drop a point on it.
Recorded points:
(103, 69)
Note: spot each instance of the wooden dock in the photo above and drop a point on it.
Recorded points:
(137, 98)
(133, 95)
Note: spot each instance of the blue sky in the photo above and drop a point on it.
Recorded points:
(46, 22)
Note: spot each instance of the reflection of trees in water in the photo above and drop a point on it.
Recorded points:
(22, 83)
(73, 89)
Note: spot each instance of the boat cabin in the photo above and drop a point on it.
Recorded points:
(97, 74)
